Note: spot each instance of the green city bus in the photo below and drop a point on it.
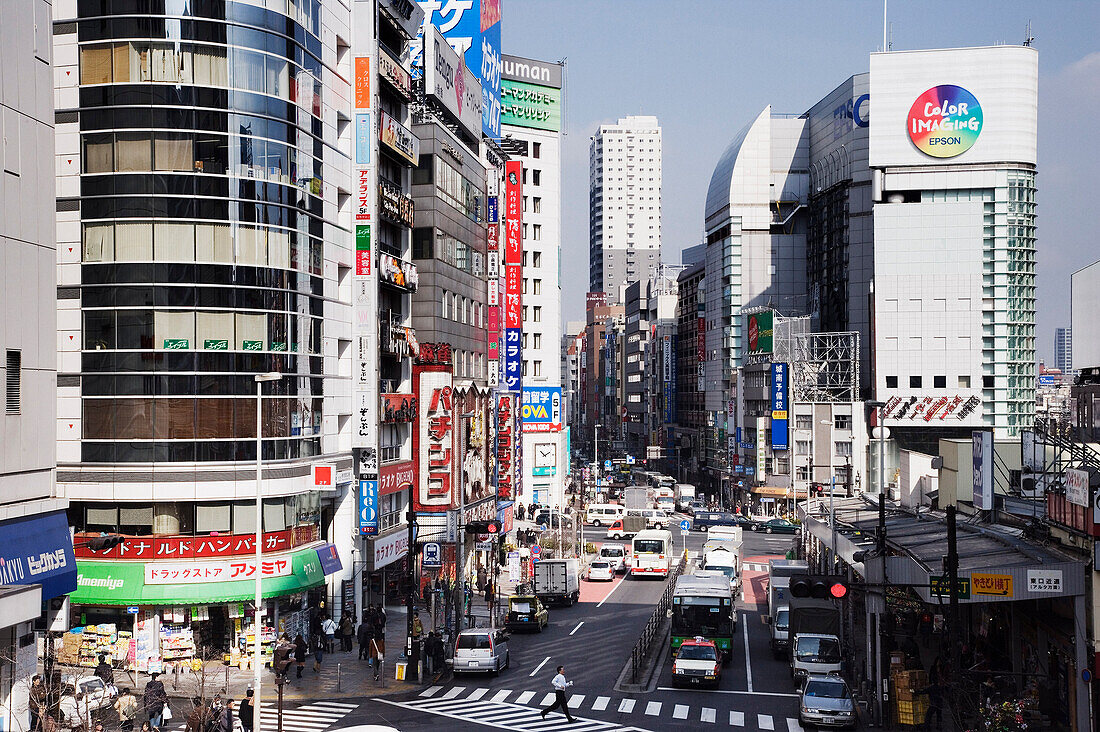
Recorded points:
(702, 605)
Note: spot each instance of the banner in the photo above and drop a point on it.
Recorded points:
(529, 105)
(506, 444)
(368, 507)
(435, 435)
(759, 332)
(779, 406)
(513, 359)
(542, 409)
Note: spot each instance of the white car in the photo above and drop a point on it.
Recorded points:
(601, 569)
(481, 649)
(615, 555)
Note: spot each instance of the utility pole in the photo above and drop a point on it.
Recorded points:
(952, 588)
(880, 679)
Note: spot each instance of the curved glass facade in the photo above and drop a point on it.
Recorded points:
(202, 229)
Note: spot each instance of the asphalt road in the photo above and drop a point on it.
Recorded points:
(593, 640)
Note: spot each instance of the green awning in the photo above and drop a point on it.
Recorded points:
(123, 583)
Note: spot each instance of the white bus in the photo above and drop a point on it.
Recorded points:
(651, 553)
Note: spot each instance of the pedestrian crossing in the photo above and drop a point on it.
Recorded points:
(519, 710)
(315, 717)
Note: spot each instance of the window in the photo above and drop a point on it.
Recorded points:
(537, 313)
(524, 201)
(523, 313)
(537, 231)
(803, 422)
(939, 382)
(536, 177)
(964, 382)
(525, 176)
(212, 517)
(538, 368)
(537, 339)
(842, 421)
(524, 285)
(13, 392)
(987, 382)
(536, 151)
(536, 259)
(842, 449)
(802, 447)
(915, 382)
(891, 382)
(537, 286)
(537, 205)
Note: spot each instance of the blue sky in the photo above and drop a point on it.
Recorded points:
(705, 69)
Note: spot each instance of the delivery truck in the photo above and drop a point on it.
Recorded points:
(814, 633)
(779, 582)
(558, 580)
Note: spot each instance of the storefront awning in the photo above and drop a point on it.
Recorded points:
(38, 550)
(198, 582)
(769, 491)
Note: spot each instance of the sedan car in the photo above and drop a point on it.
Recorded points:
(481, 649)
(826, 701)
(776, 526)
(526, 612)
(552, 520)
(698, 663)
(600, 570)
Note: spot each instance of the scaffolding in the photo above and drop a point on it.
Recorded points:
(824, 367)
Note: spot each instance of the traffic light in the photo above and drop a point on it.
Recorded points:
(484, 527)
(104, 541)
(820, 587)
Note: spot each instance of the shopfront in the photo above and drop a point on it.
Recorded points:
(158, 614)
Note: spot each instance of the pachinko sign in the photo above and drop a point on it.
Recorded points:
(945, 121)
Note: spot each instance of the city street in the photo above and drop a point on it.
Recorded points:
(593, 640)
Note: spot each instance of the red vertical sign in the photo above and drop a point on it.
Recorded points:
(513, 244)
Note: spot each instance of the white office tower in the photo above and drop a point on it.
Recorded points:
(624, 204)
(952, 154)
(1063, 349)
(531, 104)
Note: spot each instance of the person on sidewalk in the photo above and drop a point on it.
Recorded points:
(362, 635)
(244, 711)
(301, 651)
(126, 705)
(328, 628)
(347, 631)
(104, 671)
(155, 699)
(318, 652)
(560, 685)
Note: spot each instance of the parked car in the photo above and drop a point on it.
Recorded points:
(826, 701)
(776, 526)
(481, 649)
(526, 612)
(600, 570)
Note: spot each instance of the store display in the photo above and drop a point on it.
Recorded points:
(177, 646)
(247, 646)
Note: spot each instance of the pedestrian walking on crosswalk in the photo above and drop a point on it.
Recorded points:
(560, 685)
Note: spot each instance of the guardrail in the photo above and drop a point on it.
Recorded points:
(644, 646)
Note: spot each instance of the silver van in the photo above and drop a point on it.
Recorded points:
(481, 649)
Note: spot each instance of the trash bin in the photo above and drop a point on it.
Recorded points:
(400, 673)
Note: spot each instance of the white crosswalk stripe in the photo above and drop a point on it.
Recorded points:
(501, 695)
(575, 701)
(680, 711)
(706, 715)
(477, 694)
(547, 700)
(525, 697)
(793, 725)
(765, 721)
(431, 691)
(626, 706)
(601, 703)
(737, 719)
(503, 715)
(315, 717)
(452, 692)
(653, 708)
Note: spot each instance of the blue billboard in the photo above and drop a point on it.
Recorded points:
(472, 27)
(368, 507)
(541, 409)
(779, 406)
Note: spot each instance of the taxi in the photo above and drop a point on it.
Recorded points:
(526, 612)
(698, 662)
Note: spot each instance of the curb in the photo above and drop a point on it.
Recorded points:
(655, 662)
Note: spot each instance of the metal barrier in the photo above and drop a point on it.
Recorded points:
(644, 645)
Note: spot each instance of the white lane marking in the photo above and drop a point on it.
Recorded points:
(793, 725)
(609, 594)
(728, 691)
(431, 691)
(737, 719)
(537, 668)
(765, 721)
(501, 695)
(626, 706)
(338, 705)
(546, 700)
(707, 715)
(575, 701)
(680, 711)
(748, 663)
(601, 703)
(577, 628)
(525, 697)
(453, 692)
(476, 694)
(653, 709)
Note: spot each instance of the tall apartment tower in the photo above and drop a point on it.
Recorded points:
(33, 525)
(1063, 349)
(624, 204)
(203, 225)
(531, 104)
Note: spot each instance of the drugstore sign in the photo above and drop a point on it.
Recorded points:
(945, 121)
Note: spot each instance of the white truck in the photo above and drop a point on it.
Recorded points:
(685, 494)
(724, 557)
(779, 582)
(636, 498)
(558, 580)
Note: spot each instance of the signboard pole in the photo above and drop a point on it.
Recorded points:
(952, 586)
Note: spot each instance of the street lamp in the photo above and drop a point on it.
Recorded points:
(879, 660)
(256, 661)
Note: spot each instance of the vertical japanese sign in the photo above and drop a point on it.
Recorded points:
(779, 406)
(513, 253)
(983, 470)
(761, 449)
(368, 507)
(434, 443)
(505, 445)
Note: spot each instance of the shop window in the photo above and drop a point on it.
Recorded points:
(135, 520)
(101, 518)
(274, 514)
(210, 517)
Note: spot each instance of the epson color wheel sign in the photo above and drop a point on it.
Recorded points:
(945, 121)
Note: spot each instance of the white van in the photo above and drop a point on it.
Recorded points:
(655, 518)
(603, 514)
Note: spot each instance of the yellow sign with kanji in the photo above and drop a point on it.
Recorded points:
(991, 584)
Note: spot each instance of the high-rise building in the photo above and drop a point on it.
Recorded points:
(1063, 349)
(204, 239)
(624, 204)
(37, 566)
(531, 106)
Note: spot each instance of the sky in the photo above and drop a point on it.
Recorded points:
(707, 68)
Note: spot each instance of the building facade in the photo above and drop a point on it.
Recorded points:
(624, 204)
(203, 239)
(1063, 350)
